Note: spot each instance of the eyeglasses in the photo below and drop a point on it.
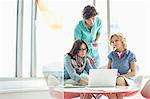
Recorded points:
(82, 49)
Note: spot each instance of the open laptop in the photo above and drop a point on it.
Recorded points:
(102, 77)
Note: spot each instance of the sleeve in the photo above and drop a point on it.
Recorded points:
(71, 71)
(110, 56)
(132, 58)
(89, 66)
(99, 25)
(77, 33)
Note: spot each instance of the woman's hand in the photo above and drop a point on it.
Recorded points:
(118, 74)
(91, 60)
(95, 44)
(83, 81)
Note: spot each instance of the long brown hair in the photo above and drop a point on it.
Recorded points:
(76, 47)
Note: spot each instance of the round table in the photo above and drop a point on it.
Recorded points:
(126, 90)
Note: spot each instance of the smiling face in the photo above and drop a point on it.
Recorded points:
(82, 51)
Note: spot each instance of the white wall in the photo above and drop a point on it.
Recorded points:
(132, 18)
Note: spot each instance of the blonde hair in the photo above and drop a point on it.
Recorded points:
(121, 37)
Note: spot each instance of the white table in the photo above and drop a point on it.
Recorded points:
(126, 90)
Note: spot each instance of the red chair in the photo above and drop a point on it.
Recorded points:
(146, 90)
(138, 83)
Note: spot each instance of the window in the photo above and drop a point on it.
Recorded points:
(26, 38)
(101, 6)
(15, 43)
(55, 29)
(8, 12)
(132, 17)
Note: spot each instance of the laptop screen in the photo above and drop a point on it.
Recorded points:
(102, 77)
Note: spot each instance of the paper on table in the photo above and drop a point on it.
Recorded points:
(72, 86)
(111, 89)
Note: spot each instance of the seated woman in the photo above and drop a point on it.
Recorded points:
(77, 65)
(123, 60)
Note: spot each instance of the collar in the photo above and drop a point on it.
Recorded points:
(126, 52)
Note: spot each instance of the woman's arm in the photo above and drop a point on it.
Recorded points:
(72, 73)
(109, 64)
(97, 37)
(83, 81)
(70, 70)
(95, 44)
(132, 72)
(99, 26)
(77, 33)
(89, 66)
(90, 59)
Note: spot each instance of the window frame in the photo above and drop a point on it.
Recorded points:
(19, 40)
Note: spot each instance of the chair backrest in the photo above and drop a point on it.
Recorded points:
(53, 73)
(146, 90)
(137, 69)
(138, 81)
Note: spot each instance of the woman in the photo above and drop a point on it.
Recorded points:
(123, 60)
(76, 63)
(77, 66)
(89, 30)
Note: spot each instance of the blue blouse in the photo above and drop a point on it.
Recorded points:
(70, 72)
(122, 64)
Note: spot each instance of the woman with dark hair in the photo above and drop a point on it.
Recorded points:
(76, 68)
(76, 64)
(89, 30)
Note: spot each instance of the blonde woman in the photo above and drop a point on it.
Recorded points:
(122, 59)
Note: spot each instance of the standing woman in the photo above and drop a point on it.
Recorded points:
(124, 60)
(89, 30)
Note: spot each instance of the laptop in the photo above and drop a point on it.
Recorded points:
(102, 77)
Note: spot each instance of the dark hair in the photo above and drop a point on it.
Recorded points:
(89, 11)
(76, 47)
